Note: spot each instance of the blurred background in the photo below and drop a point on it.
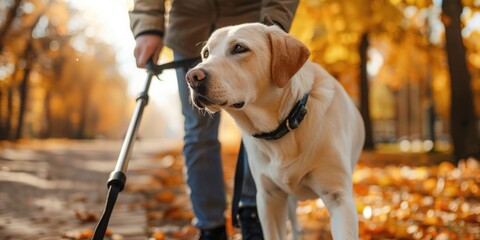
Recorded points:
(67, 69)
(68, 83)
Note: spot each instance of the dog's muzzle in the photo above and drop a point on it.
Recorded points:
(196, 79)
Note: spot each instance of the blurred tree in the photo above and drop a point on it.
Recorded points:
(10, 15)
(27, 58)
(337, 33)
(22, 56)
(51, 71)
(464, 130)
(364, 93)
(414, 63)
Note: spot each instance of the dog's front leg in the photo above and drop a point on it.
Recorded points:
(272, 209)
(343, 214)
(296, 229)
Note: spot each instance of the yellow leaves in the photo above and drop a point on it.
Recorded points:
(303, 26)
(58, 15)
(474, 59)
(417, 3)
(332, 29)
(384, 109)
(69, 91)
(336, 53)
(471, 3)
(423, 3)
(440, 84)
(402, 60)
(396, 2)
(339, 25)
(349, 38)
(411, 2)
(335, 8)
(313, 3)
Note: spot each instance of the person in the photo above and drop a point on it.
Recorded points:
(190, 22)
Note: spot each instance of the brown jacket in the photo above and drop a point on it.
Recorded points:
(190, 22)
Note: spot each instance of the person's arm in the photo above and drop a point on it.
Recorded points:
(147, 23)
(279, 12)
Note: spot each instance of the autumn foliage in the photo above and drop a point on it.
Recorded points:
(409, 83)
(56, 78)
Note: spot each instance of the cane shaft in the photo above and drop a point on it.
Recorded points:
(126, 151)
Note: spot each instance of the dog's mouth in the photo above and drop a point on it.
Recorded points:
(238, 105)
(202, 101)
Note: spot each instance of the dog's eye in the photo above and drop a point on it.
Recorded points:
(239, 49)
(205, 54)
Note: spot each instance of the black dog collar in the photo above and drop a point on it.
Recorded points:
(294, 119)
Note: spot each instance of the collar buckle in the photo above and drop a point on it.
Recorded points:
(292, 122)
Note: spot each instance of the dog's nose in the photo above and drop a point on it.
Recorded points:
(196, 77)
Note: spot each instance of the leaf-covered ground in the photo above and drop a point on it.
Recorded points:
(56, 190)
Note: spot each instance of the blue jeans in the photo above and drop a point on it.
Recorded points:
(203, 162)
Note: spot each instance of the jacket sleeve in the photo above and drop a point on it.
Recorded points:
(280, 12)
(147, 16)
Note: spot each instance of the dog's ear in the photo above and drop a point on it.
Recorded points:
(288, 55)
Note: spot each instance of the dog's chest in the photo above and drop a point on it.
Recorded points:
(285, 167)
(292, 179)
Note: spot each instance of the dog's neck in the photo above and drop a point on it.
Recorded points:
(264, 116)
(291, 122)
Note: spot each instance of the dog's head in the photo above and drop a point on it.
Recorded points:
(242, 64)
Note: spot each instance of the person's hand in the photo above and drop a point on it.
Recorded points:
(147, 46)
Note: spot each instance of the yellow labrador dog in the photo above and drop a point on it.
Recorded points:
(302, 132)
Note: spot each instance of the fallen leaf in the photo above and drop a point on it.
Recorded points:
(165, 197)
(83, 234)
(159, 235)
(86, 216)
(177, 213)
(86, 234)
(154, 215)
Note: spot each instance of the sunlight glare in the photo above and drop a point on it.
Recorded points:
(367, 212)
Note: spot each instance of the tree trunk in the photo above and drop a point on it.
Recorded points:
(8, 22)
(83, 117)
(430, 114)
(9, 116)
(4, 114)
(2, 119)
(28, 57)
(47, 118)
(463, 121)
(364, 94)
